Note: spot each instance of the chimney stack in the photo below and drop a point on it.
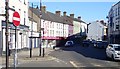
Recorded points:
(64, 13)
(79, 17)
(43, 8)
(58, 13)
(72, 15)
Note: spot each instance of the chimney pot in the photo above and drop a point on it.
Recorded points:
(43, 8)
(72, 15)
(64, 13)
(79, 17)
(58, 13)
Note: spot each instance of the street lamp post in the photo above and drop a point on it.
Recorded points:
(40, 27)
(6, 33)
(31, 33)
(43, 51)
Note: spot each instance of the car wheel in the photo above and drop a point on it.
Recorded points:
(53, 47)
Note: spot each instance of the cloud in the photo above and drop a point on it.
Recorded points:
(74, 0)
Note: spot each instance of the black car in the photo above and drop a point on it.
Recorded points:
(86, 43)
(101, 44)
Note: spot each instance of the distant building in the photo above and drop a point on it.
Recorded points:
(55, 27)
(97, 31)
(34, 24)
(114, 24)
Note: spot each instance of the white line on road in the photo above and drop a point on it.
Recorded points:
(73, 64)
(94, 64)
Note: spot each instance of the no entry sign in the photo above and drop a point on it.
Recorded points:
(16, 18)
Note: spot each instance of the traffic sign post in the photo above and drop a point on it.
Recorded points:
(16, 22)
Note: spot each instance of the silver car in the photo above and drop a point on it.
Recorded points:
(113, 51)
(69, 43)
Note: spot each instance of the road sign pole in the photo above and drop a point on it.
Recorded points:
(15, 51)
(16, 22)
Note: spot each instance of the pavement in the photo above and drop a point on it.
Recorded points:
(24, 56)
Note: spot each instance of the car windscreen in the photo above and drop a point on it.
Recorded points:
(69, 42)
(117, 48)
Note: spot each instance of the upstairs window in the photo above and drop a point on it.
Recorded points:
(24, 17)
(117, 27)
(24, 2)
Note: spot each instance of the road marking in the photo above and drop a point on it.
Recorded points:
(94, 64)
(57, 60)
(73, 64)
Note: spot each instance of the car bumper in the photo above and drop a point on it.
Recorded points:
(117, 57)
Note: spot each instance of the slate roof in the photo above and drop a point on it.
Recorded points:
(67, 20)
(47, 15)
(55, 18)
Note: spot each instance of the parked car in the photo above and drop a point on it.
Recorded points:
(113, 51)
(85, 43)
(69, 43)
(101, 44)
(104, 44)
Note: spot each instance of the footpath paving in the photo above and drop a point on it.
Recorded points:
(24, 56)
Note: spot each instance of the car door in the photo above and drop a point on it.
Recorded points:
(111, 50)
(108, 50)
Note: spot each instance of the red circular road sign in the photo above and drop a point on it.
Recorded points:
(16, 18)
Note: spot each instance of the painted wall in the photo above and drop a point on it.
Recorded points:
(83, 28)
(70, 30)
(76, 27)
(54, 29)
(22, 8)
(33, 32)
(95, 31)
(2, 8)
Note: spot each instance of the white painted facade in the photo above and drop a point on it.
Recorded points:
(20, 6)
(2, 4)
(54, 29)
(33, 33)
(22, 40)
(52, 32)
(83, 27)
(95, 31)
(66, 31)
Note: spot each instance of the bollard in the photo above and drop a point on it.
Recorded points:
(43, 52)
(9, 52)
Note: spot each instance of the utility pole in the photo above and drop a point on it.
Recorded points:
(40, 27)
(31, 33)
(6, 33)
